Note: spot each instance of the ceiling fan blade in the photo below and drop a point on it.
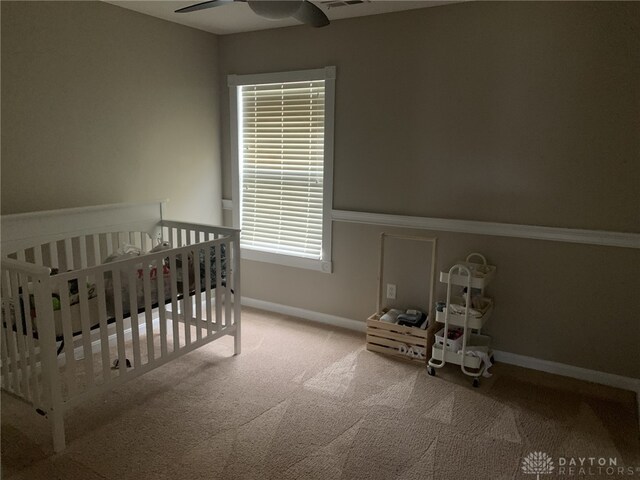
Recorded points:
(312, 15)
(203, 5)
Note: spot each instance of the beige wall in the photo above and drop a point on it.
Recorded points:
(104, 105)
(518, 112)
(513, 112)
(574, 304)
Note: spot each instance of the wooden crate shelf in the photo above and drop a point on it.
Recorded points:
(388, 338)
(383, 337)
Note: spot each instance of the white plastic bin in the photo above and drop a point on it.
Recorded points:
(451, 345)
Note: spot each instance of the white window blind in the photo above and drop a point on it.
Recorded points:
(282, 129)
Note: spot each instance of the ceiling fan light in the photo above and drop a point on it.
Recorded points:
(275, 9)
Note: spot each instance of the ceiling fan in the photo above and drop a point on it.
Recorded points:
(301, 10)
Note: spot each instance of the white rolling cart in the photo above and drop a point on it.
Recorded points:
(470, 313)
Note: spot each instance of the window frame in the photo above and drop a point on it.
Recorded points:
(328, 74)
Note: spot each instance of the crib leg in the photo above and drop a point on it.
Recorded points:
(236, 341)
(57, 430)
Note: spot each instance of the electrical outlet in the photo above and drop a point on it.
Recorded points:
(391, 291)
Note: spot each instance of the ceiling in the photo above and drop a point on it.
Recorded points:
(238, 17)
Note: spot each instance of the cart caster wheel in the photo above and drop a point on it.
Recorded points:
(476, 383)
(431, 371)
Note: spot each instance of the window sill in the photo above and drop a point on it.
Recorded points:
(286, 260)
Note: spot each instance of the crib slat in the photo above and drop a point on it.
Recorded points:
(21, 255)
(83, 292)
(53, 252)
(162, 312)
(146, 282)
(6, 311)
(174, 302)
(186, 300)
(116, 241)
(143, 241)
(13, 350)
(33, 364)
(4, 345)
(4, 329)
(133, 309)
(11, 376)
(235, 285)
(7, 294)
(20, 340)
(75, 252)
(177, 241)
(83, 252)
(104, 334)
(109, 241)
(68, 254)
(117, 300)
(227, 290)
(37, 255)
(198, 292)
(218, 253)
(67, 335)
(97, 256)
(207, 286)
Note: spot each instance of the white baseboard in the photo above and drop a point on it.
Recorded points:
(603, 378)
(305, 314)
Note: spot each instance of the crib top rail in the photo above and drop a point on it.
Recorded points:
(200, 227)
(30, 269)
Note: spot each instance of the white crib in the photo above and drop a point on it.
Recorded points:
(61, 332)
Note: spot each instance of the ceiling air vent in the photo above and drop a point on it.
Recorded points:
(341, 3)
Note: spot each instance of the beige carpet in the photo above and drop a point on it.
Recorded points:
(305, 401)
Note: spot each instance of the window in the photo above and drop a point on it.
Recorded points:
(282, 154)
